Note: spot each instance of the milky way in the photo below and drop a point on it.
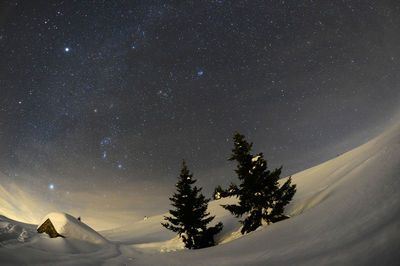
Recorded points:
(106, 93)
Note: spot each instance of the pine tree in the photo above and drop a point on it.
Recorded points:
(190, 217)
(259, 193)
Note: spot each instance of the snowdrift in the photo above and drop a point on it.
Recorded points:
(12, 232)
(70, 227)
(346, 212)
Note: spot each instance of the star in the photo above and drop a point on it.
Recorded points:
(132, 90)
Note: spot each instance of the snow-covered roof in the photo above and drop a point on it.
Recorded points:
(70, 227)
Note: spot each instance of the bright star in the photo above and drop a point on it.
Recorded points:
(66, 49)
(51, 186)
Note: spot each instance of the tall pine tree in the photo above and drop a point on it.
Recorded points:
(259, 193)
(190, 217)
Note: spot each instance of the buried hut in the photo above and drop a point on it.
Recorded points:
(48, 228)
(58, 224)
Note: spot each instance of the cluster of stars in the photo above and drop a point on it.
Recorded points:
(141, 87)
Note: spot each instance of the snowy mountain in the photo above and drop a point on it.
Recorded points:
(346, 212)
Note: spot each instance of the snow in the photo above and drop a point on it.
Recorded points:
(13, 232)
(217, 195)
(346, 212)
(70, 227)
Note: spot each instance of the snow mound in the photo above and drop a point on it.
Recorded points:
(70, 227)
(12, 232)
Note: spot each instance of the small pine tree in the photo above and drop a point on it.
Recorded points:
(190, 217)
(259, 193)
(219, 192)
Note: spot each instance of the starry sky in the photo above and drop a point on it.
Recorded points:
(108, 95)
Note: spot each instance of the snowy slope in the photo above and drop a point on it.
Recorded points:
(345, 212)
(150, 235)
(12, 232)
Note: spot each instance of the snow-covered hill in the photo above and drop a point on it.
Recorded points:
(346, 212)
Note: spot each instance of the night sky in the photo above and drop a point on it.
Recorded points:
(104, 95)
